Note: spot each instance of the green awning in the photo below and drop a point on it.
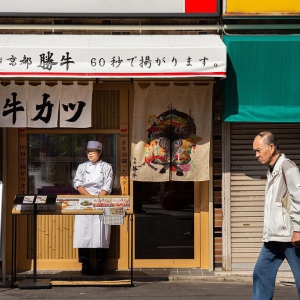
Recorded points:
(263, 79)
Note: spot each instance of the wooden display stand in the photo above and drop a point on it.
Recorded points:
(35, 283)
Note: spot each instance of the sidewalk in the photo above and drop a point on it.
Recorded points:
(148, 275)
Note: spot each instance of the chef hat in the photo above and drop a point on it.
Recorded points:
(94, 145)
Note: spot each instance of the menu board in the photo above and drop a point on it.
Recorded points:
(42, 202)
(89, 203)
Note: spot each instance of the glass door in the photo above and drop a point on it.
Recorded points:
(164, 221)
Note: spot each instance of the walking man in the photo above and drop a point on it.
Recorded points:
(281, 232)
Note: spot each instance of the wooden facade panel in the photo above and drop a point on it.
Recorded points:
(106, 109)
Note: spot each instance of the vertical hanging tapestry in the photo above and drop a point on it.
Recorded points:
(42, 106)
(76, 106)
(171, 131)
(13, 100)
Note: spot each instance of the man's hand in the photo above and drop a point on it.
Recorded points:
(296, 239)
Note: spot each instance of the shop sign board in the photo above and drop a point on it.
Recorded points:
(95, 56)
(42, 106)
(112, 8)
(258, 7)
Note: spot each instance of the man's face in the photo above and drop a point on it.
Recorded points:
(93, 155)
(263, 152)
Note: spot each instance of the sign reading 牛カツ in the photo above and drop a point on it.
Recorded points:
(181, 8)
(38, 106)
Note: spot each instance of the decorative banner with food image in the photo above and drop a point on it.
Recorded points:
(67, 203)
(86, 204)
(89, 203)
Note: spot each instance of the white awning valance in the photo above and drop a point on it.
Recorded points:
(94, 56)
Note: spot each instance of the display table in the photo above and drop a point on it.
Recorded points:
(36, 283)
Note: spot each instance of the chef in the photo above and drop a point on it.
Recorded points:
(94, 177)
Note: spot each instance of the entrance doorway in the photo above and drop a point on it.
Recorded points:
(164, 220)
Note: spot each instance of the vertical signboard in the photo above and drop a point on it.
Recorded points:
(22, 161)
(124, 158)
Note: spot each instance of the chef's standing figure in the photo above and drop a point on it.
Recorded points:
(94, 177)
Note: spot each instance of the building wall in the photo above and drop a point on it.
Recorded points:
(164, 23)
(217, 236)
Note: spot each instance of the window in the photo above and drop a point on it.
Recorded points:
(53, 160)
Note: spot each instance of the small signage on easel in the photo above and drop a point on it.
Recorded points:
(26, 202)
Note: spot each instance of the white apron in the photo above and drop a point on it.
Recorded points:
(90, 231)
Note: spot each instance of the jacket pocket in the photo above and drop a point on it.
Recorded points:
(280, 222)
(286, 202)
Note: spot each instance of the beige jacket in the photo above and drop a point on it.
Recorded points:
(281, 219)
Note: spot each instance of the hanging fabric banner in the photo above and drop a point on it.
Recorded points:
(13, 100)
(42, 106)
(171, 132)
(39, 106)
(76, 106)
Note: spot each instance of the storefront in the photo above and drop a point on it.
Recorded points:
(173, 215)
(261, 93)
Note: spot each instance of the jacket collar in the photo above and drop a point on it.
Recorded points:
(277, 166)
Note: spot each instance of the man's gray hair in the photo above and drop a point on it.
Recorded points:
(269, 138)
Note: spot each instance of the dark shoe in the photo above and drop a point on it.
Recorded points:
(87, 269)
(99, 267)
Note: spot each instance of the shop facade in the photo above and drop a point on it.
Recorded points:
(220, 218)
(47, 156)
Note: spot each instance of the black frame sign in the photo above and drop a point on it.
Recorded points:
(112, 8)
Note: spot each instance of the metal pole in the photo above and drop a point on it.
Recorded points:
(34, 240)
(131, 254)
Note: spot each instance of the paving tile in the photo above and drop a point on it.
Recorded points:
(146, 273)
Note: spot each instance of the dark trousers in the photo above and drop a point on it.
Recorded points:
(86, 254)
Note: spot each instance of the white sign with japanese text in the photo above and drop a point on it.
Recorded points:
(94, 56)
(38, 106)
(42, 106)
(76, 106)
(13, 99)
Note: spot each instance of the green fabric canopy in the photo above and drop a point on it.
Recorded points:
(263, 79)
